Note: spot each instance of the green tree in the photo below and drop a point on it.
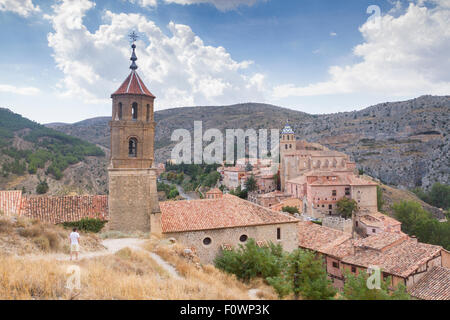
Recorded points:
(303, 273)
(356, 288)
(440, 195)
(250, 184)
(290, 210)
(346, 207)
(42, 187)
(380, 201)
(248, 167)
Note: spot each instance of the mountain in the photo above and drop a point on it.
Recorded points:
(30, 152)
(405, 144)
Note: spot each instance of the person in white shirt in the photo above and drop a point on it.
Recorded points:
(74, 243)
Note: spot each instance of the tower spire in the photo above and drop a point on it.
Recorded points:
(133, 37)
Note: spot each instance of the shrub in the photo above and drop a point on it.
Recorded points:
(43, 243)
(86, 224)
(289, 209)
(42, 187)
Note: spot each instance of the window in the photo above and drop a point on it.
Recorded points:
(286, 146)
(243, 238)
(333, 193)
(134, 111)
(356, 223)
(336, 265)
(207, 241)
(330, 206)
(290, 146)
(132, 148)
(354, 269)
(347, 191)
(120, 111)
(374, 231)
(278, 233)
(148, 113)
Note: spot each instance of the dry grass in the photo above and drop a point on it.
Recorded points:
(127, 274)
(19, 235)
(224, 285)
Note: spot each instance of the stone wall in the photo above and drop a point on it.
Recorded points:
(65, 208)
(132, 198)
(231, 237)
(338, 223)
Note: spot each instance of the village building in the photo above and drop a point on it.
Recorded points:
(400, 257)
(268, 199)
(435, 285)
(215, 193)
(290, 202)
(211, 225)
(232, 176)
(369, 223)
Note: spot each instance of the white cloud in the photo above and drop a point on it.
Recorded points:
(19, 90)
(145, 3)
(22, 7)
(333, 34)
(222, 5)
(178, 68)
(407, 55)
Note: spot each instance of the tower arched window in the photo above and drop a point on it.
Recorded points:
(134, 111)
(119, 112)
(148, 112)
(132, 147)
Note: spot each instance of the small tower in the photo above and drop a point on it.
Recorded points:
(133, 197)
(287, 146)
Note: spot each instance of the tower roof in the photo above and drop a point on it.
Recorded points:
(133, 83)
(287, 129)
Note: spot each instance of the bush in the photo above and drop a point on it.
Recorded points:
(251, 261)
(86, 224)
(43, 243)
(42, 187)
(290, 210)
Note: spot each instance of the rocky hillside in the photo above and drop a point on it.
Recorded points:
(405, 144)
(30, 153)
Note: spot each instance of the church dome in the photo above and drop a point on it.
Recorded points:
(287, 129)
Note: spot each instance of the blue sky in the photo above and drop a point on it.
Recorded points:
(61, 60)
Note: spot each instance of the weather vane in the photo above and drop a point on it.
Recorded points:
(133, 36)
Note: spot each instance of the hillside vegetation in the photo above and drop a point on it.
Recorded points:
(28, 149)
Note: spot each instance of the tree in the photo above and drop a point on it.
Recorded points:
(380, 201)
(356, 288)
(276, 179)
(303, 274)
(250, 184)
(42, 187)
(346, 207)
(248, 167)
(440, 195)
(290, 210)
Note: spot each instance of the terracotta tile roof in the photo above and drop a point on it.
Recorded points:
(10, 202)
(291, 202)
(226, 212)
(377, 219)
(332, 178)
(133, 85)
(322, 239)
(435, 285)
(394, 253)
(275, 194)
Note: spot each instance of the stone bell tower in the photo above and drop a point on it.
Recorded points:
(287, 146)
(133, 197)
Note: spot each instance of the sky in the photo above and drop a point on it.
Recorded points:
(61, 60)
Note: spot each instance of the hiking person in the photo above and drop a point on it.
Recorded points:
(74, 238)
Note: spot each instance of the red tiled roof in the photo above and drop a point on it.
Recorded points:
(397, 256)
(377, 219)
(133, 85)
(226, 212)
(215, 191)
(322, 239)
(435, 285)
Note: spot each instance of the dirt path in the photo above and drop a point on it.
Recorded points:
(112, 246)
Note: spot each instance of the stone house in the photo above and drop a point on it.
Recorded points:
(369, 223)
(268, 199)
(211, 225)
(232, 176)
(399, 256)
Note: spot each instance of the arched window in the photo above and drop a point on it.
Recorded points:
(286, 146)
(207, 241)
(134, 111)
(132, 148)
(120, 111)
(148, 113)
(243, 238)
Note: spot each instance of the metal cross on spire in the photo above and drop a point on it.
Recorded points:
(133, 37)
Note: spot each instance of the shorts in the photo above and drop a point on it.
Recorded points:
(74, 247)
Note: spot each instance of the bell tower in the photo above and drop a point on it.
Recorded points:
(287, 146)
(133, 197)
